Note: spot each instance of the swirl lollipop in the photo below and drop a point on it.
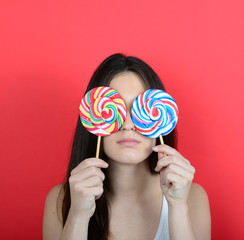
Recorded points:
(154, 113)
(102, 112)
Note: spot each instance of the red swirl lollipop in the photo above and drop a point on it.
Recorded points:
(102, 112)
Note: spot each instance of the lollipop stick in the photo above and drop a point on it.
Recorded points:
(162, 142)
(98, 146)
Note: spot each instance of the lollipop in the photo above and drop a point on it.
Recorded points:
(154, 113)
(102, 112)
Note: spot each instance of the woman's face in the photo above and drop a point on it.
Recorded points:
(127, 145)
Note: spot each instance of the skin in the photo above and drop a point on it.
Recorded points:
(133, 216)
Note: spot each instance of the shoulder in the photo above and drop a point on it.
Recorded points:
(199, 209)
(54, 200)
(52, 218)
(55, 193)
(197, 192)
(198, 198)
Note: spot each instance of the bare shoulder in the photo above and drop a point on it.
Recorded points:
(52, 218)
(199, 211)
(55, 198)
(197, 193)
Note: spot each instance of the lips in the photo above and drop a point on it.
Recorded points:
(128, 142)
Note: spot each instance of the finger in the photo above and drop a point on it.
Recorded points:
(94, 192)
(94, 181)
(161, 149)
(165, 161)
(86, 173)
(90, 162)
(166, 149)
(97, 192)
(175, 169)
(174, 180)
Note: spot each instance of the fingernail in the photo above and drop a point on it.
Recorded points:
(155, 148)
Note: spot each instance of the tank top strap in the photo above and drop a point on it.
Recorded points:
(163, 228)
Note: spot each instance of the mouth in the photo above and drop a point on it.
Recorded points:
(128, 142)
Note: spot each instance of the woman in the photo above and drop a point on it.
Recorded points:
(132, 191)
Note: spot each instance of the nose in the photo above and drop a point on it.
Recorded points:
(128, 123)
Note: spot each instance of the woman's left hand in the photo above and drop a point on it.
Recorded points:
(176, 174)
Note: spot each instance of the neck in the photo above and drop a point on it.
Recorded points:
(132, 182)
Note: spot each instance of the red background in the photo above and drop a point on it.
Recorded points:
(48, 52)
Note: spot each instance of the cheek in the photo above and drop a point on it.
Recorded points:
(149, 143)
(108, 143)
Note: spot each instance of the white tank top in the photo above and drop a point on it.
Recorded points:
(163, 228)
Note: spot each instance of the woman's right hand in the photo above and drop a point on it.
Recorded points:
(86, 186)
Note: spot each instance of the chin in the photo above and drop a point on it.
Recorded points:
(127, 161)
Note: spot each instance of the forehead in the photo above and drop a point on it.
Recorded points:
(128, 84)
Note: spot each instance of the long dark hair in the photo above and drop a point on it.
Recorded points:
(84, 142)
